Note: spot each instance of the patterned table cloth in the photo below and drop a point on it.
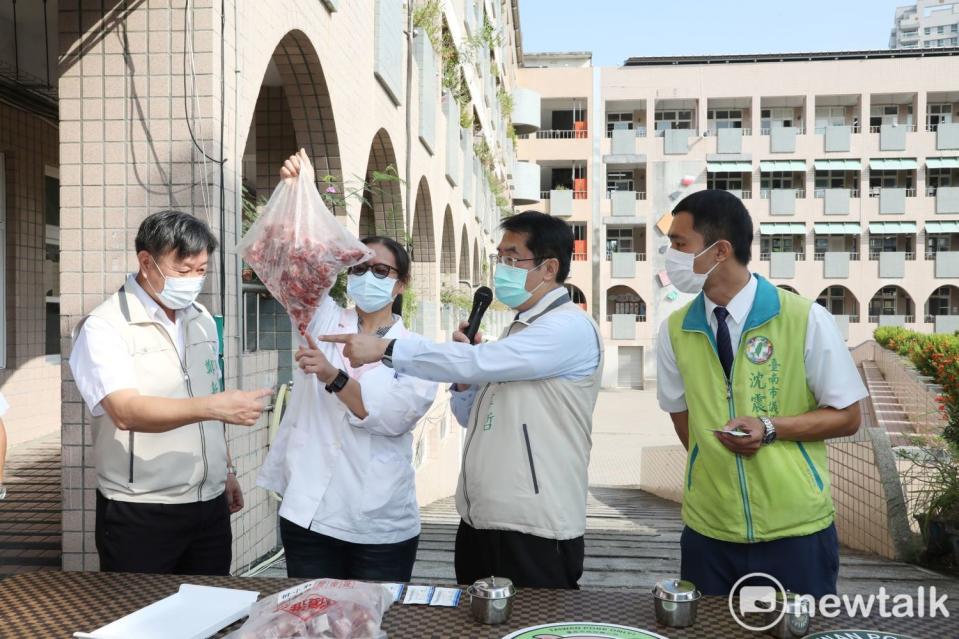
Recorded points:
(54, 605)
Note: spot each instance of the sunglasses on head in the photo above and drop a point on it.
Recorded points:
(380, 271)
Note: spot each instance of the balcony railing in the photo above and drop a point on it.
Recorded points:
(821, 256)
(874, 319)
(764, 194)
(640, 257)
(821, 193)
(579, 257)
(745, 130)
(908, 127)
(639, 318)
(577, 195)
(640, 195)
(640, 131)
(768, 131)
(874, 255)
(875, 191)
(562, 134)
(765, 257)
(854, 128)
(661, 133)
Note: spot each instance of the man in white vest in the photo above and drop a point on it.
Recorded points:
(527, 402)
(146, 362)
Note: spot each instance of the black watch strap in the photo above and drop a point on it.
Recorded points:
(338, 383)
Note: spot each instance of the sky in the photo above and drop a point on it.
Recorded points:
(617, 29)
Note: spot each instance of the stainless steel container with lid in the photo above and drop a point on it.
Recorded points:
(676, 602)
(491, 599)
(795, 616)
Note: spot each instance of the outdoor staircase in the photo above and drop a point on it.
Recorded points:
(889, 412)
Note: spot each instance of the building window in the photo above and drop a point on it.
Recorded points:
(676, 119)
(725, 181)
(777, 244)
(938, 113)
(776, 180)
(725, 118)
(619, 181)
(829, 116)
(880, 114)
(834, 300)
(51, 261)
(937, 243)
(939, 301)
(619, 239)
(618, 121)
(776, 118)
(883, 244)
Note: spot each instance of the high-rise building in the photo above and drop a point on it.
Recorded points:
(928, 24)
(848, 163)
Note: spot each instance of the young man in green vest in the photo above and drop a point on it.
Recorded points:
(745, 356)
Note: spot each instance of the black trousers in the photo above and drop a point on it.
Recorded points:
(179, 539)
(529, 561)
(311, 555)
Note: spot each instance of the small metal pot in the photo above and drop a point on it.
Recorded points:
(491, 600)
(795, 616)
(676, 602)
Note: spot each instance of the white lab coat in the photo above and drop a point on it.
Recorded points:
(341, 476)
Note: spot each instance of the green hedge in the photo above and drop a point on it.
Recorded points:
(936, 356)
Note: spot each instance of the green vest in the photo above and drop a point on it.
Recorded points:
(782, 490)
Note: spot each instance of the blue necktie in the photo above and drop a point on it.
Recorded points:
(723, 343)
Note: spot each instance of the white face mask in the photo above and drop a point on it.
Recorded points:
(178, 292)
(679, 267)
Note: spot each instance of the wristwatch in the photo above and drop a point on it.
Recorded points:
(388, 354)
(338, 383)
(231, 470)
(770, 435)
(3, 492)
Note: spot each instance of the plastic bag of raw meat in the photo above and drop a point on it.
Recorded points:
(320, 609)
(297, 247)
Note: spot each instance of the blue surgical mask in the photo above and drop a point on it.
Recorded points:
(369, 292)
(509, 285)
(178, 292)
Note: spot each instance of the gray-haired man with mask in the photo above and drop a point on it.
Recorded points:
(146, 362)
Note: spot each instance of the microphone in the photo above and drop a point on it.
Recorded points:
(481, 301)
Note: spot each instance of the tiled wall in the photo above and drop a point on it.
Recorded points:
(29, 379)
(127, 151)
(862, 516)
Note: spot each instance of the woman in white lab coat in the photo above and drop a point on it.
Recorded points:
(342, 459)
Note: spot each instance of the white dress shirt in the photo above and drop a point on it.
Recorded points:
(339, 475)
(830, 372)
(562, 343)
(100, 361)
(4, 405)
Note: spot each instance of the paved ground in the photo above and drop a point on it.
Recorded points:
(30, 515)
(624, 422)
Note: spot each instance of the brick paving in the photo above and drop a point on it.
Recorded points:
(30, 517)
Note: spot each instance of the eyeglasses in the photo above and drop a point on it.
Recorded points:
(380, 271)
(511, 261)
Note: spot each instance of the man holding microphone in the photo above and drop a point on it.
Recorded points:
(527, 403)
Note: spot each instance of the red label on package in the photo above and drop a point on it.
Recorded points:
(306, 609)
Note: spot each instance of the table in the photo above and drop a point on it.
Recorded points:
(53, 605)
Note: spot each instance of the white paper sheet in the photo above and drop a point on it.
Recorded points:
(195, 612)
